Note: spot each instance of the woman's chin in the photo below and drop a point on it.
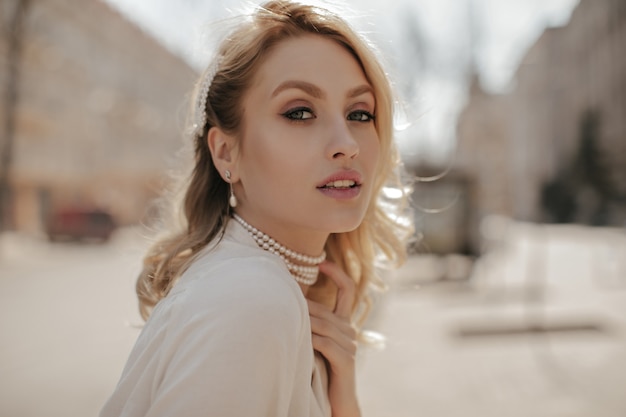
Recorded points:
(347, 224)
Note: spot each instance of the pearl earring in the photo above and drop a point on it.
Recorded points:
(232, 200)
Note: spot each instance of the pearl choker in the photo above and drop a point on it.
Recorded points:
(305, 271)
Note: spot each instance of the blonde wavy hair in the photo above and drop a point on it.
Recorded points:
(204, 210)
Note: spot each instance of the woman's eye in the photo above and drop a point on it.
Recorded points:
(301, 113)
(361, 116)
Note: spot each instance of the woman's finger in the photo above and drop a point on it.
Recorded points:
(325, 322)
(344, 336)
(340, 359)
(346, 288)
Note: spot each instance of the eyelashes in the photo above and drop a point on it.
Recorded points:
(361, 116)
(301, 114)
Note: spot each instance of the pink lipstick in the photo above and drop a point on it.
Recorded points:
(342, 185)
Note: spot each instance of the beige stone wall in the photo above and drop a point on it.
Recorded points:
(101, 112)
(512, 144)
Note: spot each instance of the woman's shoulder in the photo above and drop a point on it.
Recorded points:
(226, 318)
(232, 265)
(234, 259)
(232, 283)
(245, 274)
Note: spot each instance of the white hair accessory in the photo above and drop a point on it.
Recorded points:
(203, 93)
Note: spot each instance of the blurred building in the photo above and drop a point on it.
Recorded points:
(99, 114)
(554, 148)
(440, 204)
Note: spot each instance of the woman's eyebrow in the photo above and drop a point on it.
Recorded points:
(308, 88)
(316, 92)
(362, 89)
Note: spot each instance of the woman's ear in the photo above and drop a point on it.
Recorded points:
(224, 152)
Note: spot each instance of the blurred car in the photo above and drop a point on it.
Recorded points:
(80, 224)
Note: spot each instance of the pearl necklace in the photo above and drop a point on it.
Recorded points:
(304, 274)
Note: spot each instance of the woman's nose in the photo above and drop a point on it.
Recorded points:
(343, 143)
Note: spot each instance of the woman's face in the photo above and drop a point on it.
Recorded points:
(309, 149)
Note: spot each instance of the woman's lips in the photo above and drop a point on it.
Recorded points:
(342, 185)
(341, 193)
(341, 179)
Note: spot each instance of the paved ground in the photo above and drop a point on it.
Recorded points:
(539, 329)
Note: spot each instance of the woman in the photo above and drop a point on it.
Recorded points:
(252, 304)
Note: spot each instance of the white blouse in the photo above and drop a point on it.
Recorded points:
(233, 338)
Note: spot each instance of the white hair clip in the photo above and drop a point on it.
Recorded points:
(202, 96)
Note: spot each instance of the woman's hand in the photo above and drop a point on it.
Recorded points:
(335, 338)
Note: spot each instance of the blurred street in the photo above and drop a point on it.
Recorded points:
(536, 327)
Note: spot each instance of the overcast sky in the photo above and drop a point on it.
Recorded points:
(429, 44)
